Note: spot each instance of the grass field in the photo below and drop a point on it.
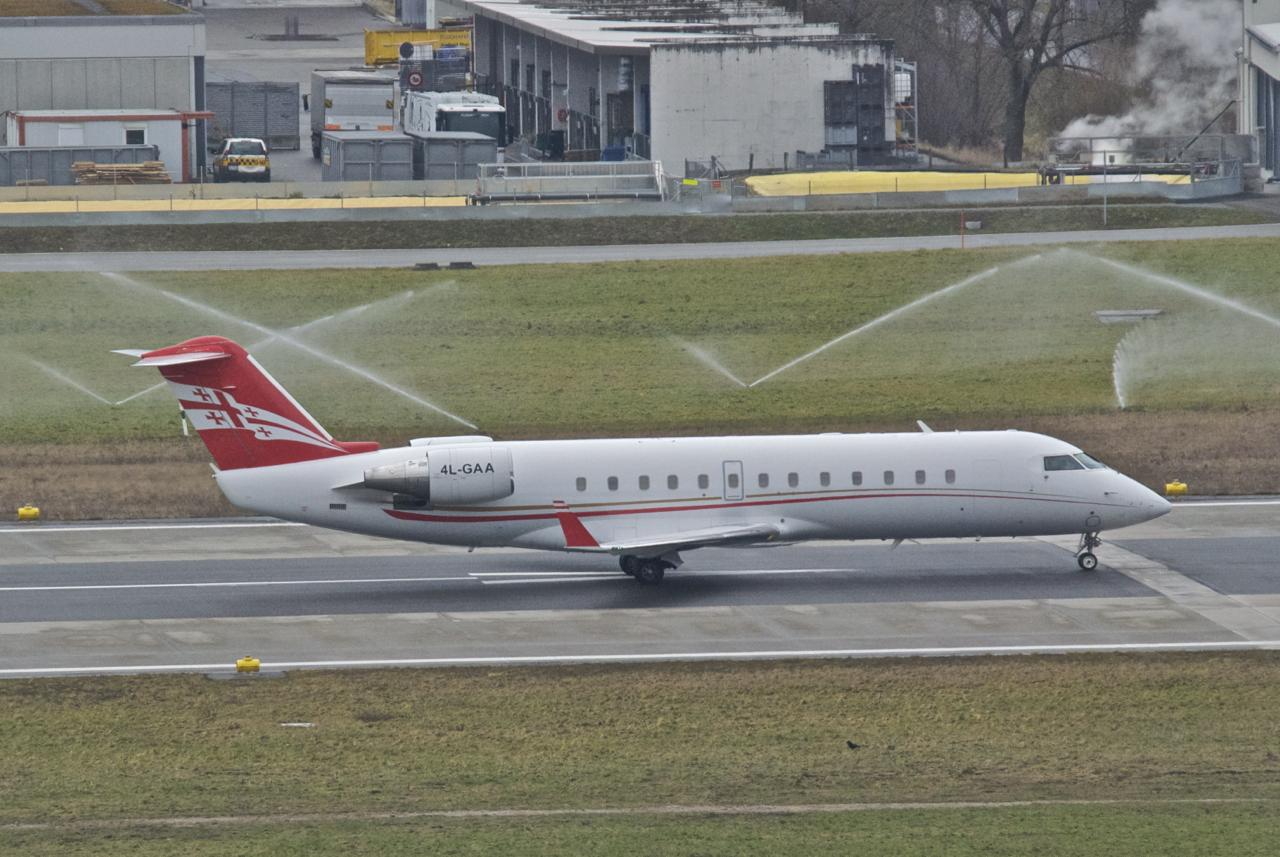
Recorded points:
(93, 758)
(634, 348)
(536, 231)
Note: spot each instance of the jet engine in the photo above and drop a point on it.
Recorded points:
(449, 477)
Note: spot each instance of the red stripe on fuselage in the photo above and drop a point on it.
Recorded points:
(541, 516)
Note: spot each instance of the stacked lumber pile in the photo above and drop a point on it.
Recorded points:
(148, 172)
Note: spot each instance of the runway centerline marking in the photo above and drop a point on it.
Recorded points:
(504, 577)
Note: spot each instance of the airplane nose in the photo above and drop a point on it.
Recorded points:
(1152, 503)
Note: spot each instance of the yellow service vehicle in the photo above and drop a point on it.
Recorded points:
(242, 159)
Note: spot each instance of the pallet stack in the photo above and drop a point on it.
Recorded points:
(148, 172)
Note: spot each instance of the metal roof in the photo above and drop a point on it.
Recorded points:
(633, 26)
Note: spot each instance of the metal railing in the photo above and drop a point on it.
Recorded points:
(570, 180)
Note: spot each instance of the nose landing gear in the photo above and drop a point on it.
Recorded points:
(1085, 556)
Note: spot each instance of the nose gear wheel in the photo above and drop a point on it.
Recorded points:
(1085, 557)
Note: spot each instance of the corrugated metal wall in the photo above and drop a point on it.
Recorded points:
(268, 111)
(53, 165)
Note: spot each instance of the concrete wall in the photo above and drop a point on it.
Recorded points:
(165, 134)
(100, 62)
(738, 100)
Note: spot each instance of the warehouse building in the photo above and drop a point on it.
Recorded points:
(740, 81)
(76, 55)
(1260, 80)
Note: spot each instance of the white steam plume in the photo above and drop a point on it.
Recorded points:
(1185, 63)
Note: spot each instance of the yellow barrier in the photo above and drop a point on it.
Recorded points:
(28, 512)
(248, 664)
(1176, 488)
(904, 181)
(382, 47)
(241, 204)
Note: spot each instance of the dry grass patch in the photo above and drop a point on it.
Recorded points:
(132, 479)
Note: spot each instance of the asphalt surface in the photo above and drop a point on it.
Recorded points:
(196, 595)
(305, 259)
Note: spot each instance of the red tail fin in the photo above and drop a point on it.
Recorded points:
(240, 412)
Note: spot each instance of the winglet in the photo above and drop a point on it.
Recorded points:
(575, 534)
(924, 428)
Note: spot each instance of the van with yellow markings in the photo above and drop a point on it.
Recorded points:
(242, 159)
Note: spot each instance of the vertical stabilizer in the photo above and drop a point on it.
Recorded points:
(242, 414)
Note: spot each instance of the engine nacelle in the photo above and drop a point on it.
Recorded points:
(449, 477)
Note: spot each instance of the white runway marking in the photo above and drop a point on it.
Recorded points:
(44, 529)
(504, 577)
(228, 584)
(1196, 504)
(551, 660)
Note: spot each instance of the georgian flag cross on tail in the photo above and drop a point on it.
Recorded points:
(641, 500)
(241, 413)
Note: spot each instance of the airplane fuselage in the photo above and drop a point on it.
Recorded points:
(828, 486)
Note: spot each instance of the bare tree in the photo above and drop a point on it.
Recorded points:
(1034, 35)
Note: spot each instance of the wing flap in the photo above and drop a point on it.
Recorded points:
(723, 536)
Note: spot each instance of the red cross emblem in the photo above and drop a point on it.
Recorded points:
(216, 417)
(204, 395)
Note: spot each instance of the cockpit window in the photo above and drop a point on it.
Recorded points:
(1089, 461)
(1062, 462)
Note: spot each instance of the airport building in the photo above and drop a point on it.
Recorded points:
(740, 81)
(78, 56)
(1260, 80)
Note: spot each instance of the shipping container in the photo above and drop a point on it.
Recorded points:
(347, 156)
(382, 47)
(453, 155)
(52, 165)
(265, 110)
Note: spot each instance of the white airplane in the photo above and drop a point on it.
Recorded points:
(643, 500)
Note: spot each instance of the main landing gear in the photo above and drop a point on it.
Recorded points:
(1085, 556)
(646, 570)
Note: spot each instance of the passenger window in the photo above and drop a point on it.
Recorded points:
(888, 477)
(704, 481)
(1062, 462)
(951, 477)
(857, 477)
(672, 482)
(919, 477)
(733, 480)
(613, 483)
(793, 479)
(644, 483)
(824, 479)
(763, 480)
(582, 483)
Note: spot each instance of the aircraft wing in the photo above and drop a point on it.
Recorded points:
(738, 534)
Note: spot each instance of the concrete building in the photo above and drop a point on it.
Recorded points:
(738, 80)
(1259, 110)
(98, 60)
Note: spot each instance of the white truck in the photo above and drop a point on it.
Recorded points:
(424, 113)
(351, 100)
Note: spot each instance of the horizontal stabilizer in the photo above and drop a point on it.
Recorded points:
(179, 359)
(129, 352)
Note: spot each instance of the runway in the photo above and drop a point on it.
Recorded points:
(309, 259)
(183, 596)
